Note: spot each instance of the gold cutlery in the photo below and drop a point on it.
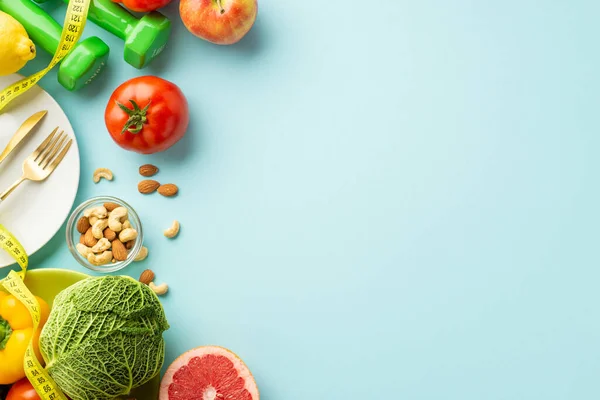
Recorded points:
(22, 132)
(43, 161)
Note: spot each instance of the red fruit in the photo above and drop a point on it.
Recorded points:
(147, 115)
(219, 21)
(209, 373)
(22, 390)
(143, 5)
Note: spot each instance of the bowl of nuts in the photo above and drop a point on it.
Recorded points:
(105, 234)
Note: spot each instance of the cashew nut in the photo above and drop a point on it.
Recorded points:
(173, 230)
(126, 224)
(102, 173)
(142, 254)
(160, 289)
(83, 249)
(98, 212)
(115, 217)
(93, 220)
(128, 234)
(102, 245)
(100, 259)
(99, 227)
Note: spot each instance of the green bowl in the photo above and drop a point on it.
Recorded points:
(48, 282)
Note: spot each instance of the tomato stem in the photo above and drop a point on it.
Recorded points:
(137, 117)
(5, 332)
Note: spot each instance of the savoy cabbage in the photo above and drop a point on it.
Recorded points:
(104, 338)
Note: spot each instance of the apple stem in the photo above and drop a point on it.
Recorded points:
(221, 6)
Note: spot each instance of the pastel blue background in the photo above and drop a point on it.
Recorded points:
(385, 200)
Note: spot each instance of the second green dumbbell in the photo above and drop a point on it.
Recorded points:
(145, 38)
(83, 63)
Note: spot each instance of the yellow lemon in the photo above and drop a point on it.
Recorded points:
(15, 46)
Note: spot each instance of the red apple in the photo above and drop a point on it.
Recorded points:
(219, 21)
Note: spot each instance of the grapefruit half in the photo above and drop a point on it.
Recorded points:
(208, 373)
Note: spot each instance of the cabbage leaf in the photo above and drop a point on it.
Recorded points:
(104, 338)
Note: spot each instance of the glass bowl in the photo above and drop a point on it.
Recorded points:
(73, 235)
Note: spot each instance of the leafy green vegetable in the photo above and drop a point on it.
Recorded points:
(104, 337)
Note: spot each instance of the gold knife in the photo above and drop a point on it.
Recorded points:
(22, 132)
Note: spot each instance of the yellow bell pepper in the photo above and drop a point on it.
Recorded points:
(16, 329)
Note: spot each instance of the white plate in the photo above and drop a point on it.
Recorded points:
(34, 212)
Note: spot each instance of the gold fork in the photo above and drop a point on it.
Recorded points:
(43, 161)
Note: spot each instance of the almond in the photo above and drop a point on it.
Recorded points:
(82, 239)
(168, 190)
(109, 234)
(148, 186)
(147, 276)
(119, 250)
(89, 240)
(148, 170)
(83, 225)
(129, 245)
(111, 206)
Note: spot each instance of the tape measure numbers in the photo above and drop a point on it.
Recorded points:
(44, 385)
(75, 19)
(46, 388)
(12, 246)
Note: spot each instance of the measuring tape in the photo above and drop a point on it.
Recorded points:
(43, 384)
(77, 11)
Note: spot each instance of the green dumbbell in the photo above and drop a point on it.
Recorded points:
(84, 61)
(145, 38)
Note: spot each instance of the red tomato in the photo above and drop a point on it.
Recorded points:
(22, 390)
(147, 115)
(143, 5)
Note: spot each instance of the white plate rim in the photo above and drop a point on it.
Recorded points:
(76, 187)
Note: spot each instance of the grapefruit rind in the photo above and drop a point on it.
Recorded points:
(184, 359)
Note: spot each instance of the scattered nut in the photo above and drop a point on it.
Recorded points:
(141, 256)
(128, 234)
(102, 173)
(168, 190)
(147, 276)
(110, 234)
(161, 289)
(110, 206)
(148, 170)
(99, 227)
(100, 259)
(89, 240)
(98, 212)
(102, 245)
(115, 217)
(83, 249)
(119, 250)
(83, 225)
(173, 230)
(148, 186)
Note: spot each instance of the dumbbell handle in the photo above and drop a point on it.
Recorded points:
(111, 17)
(41, 27)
